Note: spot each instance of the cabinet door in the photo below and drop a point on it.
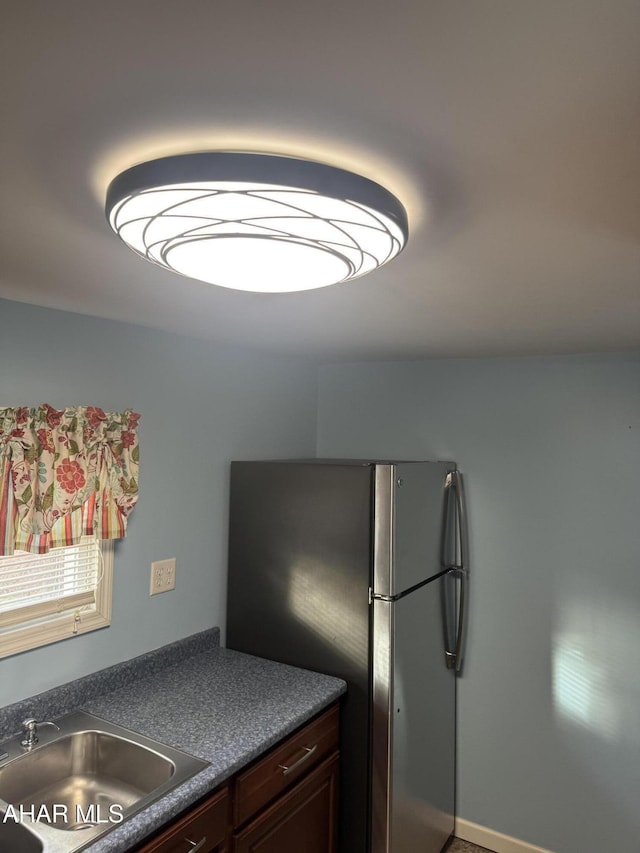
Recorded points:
(304, 820)
(203, 829)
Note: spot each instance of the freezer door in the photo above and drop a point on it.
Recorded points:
(409, 513)
(413, 725)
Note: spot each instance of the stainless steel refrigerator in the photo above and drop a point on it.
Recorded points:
(358, 569)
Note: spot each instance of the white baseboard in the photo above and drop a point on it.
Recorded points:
(485, 837)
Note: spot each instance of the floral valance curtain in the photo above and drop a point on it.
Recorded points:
(64, 474)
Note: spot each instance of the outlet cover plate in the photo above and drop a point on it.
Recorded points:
(163, 576)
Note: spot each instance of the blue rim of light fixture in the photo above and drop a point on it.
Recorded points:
(263, 169)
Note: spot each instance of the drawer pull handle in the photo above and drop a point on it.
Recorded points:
(308, 752)
(196, 845)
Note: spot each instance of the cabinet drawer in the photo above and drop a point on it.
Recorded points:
(205, 825)
(274, 773)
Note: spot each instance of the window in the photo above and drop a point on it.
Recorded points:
(68, 477)
(45, 598)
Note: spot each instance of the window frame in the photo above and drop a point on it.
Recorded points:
(24, 636)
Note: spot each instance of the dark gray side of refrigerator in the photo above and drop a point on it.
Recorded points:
(300, 539)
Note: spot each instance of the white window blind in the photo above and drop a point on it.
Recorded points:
(36, 586)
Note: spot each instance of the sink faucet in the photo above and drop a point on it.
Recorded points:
(30, 731)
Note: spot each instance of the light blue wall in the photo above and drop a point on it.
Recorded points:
(549, 705)
(201, 405)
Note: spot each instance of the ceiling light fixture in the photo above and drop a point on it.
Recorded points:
(256, 222)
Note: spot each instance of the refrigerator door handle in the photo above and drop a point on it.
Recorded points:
(454, 659)
(460, 570)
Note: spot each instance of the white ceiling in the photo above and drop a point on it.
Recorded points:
(510, 129)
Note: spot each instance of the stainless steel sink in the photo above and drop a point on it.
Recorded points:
(80, 782)
(16, 838)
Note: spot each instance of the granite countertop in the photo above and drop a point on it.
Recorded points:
(219, 705)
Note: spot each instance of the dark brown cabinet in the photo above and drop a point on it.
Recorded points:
(304, 820)
(285, 802)
(204, 829)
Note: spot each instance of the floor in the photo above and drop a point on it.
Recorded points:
(459, 846)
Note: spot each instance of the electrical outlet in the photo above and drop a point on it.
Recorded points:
(163, 576)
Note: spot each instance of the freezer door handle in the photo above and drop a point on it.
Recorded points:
(459, 569)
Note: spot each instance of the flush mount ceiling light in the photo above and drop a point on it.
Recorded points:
(257, 222)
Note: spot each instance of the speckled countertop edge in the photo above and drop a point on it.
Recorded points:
(217, 704)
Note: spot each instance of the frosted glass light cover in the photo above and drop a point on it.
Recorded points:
(251, 234)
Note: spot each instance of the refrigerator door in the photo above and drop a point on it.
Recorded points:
(409, 512)
(413, 725)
